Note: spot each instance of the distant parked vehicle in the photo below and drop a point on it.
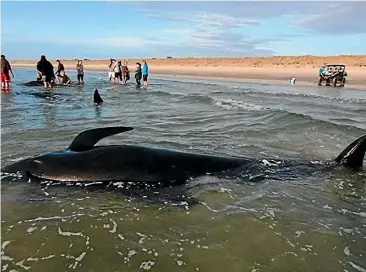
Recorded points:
(334, 74)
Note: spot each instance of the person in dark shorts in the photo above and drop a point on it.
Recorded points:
(5, 70)
(46, 69)
(118, 71)
(145, 73)
(138, 74)
(80, 72)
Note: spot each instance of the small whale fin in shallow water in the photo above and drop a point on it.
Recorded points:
(97, 98)
(88, 138)
(353, 155)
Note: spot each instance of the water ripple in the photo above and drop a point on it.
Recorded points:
(277, 220)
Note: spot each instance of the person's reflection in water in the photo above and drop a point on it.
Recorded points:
(98, 109)
(7, 97)
(7, 117)
(49, 111)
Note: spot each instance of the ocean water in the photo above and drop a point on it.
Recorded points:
(304, 222)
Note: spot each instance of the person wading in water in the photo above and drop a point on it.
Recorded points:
(118, 71)
(145, 73)
(5, 77)
(80, 72)
(60, 73)
(111, 73)
(125, 73)
(138, 74)
(46, 69)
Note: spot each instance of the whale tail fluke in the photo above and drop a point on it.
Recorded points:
(97, 98)
(353, 155)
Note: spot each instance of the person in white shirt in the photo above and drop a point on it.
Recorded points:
(111, 73)
(117, 72)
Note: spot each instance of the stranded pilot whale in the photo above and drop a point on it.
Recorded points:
(83, 161)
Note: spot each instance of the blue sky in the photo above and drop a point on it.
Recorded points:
(80, 29)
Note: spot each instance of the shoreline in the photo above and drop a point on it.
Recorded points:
(265, 70)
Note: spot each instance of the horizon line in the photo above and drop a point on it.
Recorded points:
(202, 57)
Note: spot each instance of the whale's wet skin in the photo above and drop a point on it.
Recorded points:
(303, 217)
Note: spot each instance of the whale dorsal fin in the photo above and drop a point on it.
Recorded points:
(88, 138)
(97, 98)
(353, 155)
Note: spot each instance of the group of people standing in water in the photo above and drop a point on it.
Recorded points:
(117, 72)
(120, 73)
(45, 73)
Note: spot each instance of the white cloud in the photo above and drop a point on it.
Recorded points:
(338, 19)
(219, 27)
(206, 30)
(215, 25)
(204, 18)
(122, 42)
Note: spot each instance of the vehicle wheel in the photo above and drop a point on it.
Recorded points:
(335, 80)
(343, 82)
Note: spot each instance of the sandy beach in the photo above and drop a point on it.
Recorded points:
(252, 69)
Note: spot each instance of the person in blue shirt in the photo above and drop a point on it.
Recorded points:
(321, 70)
(145, 73)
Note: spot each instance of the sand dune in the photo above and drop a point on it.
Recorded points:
(264, 69)
(280, 61)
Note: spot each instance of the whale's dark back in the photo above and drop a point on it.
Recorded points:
(129, 163)
(83, 161)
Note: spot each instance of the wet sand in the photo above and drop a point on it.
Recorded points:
(258, 69)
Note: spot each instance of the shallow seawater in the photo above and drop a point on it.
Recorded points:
(307, 222)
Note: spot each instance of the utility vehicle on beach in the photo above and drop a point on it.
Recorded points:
(334, 74)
